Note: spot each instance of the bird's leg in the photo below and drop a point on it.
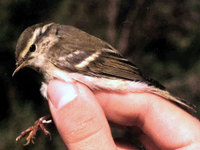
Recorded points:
(31, 131)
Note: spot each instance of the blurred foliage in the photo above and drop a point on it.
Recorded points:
(160, 36)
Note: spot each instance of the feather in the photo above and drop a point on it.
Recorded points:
(79, 52)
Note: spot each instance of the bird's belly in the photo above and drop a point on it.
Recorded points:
(95, 83)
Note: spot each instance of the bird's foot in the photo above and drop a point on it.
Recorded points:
(31, 131)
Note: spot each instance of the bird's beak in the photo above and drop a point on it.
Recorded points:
(20, 66)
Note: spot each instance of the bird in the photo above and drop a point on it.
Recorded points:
(69, 54)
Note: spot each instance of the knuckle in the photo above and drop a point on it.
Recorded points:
(86, 128)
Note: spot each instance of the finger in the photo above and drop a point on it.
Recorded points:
(165, 124)
(149, 144)
(78, 117)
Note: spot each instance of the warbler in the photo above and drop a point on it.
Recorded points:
(69, 54)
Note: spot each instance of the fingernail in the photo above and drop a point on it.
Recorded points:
(61, 93)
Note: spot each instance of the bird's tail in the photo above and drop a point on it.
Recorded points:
(178, 101)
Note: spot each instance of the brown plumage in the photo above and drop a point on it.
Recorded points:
(72, 51)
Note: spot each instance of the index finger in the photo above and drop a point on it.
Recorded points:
(165, 124)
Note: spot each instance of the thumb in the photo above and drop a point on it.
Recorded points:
(78, 117)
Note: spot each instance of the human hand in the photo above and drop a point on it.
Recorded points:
(81, 118)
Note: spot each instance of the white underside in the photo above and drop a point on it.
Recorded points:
(95, 83)
(114, 85)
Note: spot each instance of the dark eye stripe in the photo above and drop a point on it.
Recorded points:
(32, 48)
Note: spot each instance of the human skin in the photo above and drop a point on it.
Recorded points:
(81, 117)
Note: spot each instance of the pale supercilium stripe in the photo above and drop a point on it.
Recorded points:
(33, 38)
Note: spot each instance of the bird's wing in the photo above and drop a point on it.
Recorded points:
(98, 61)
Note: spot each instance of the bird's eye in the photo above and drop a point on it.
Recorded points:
(32, 48)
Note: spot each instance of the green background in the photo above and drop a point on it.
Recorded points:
(160, 36)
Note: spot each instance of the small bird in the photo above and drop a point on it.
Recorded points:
(69, 54)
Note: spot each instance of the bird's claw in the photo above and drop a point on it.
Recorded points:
(31, 131)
